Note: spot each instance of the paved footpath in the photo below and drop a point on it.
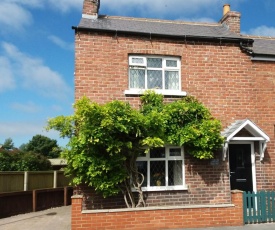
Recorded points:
(269, 226)
(50, 219)
(60, 219)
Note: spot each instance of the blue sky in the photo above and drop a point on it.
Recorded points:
(37, 51)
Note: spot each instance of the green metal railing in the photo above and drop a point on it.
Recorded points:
(259, 207)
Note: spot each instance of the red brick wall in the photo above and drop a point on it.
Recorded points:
(191, 217)
(207, 184)
(219, 74)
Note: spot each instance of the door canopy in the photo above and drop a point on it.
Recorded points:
(251, 133)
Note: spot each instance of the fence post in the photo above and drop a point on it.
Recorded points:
(26, 180)
(34, 200)
(65, 196)
(54, 179)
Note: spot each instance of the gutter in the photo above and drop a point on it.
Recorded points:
(258, 57)
(150, 35)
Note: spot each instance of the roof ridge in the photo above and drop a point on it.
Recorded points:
(164, 21)
(258, 37)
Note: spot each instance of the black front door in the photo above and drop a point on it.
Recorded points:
(240, 167)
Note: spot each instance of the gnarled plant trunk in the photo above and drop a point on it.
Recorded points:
(133, 182)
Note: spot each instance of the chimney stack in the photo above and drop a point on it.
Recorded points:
(90, 9)
(232, 19)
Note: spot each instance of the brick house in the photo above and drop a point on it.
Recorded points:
(232, 74)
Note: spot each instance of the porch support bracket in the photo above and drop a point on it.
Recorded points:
(225, 150)
(263, 148)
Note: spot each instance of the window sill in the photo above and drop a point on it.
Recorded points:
(163, 92)
(162, 188)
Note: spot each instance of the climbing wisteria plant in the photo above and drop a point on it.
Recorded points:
(105, 140)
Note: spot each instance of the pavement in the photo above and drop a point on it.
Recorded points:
(60, 219)
(50, 219)
(268, 226)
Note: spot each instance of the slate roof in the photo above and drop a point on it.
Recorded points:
(177, 29)
(264, 46)
(158, 27)
(232, 128)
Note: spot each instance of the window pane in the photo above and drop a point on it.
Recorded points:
(137, 78)
(175, 152)
(171, 63)
(138, 60)
(157, 175)
(154, 62)
(172, 80)
(157, 153)
(175, 173)
(142, 168)
(142, 154)
(154, 79)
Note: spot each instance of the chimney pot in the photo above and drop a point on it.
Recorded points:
(226, 9)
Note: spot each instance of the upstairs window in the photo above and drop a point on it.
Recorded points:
(154, 72)
(163, 169)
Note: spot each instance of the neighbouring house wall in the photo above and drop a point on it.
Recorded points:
(156, 218)
(220, 75)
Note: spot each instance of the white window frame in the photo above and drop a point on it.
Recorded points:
(139, 91)
(166, 159)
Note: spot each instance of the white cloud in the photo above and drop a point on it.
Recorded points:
(13, 129)
(7, 81)
(163, 8)
(22, 132)
(65, 5)
(56, 108)
(28, 107)
(203, 19)
(262, 31)
(13, 16)
(59, 42)
(35, 75)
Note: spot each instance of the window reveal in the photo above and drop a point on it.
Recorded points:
(154, 73)
(163, 168)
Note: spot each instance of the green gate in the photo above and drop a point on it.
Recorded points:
(259, 207)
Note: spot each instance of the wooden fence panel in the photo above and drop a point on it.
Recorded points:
(11, 181)
(39, 180)
(259, 207)
(26, 181)
(62, 180)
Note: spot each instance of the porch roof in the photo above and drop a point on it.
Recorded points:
(256, 135)
(230, 132)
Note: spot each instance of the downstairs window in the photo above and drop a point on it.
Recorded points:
(163, 169)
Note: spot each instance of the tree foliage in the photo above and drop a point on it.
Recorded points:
(43, 145)
(16, 160)
(8, 144)
(105, 140)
